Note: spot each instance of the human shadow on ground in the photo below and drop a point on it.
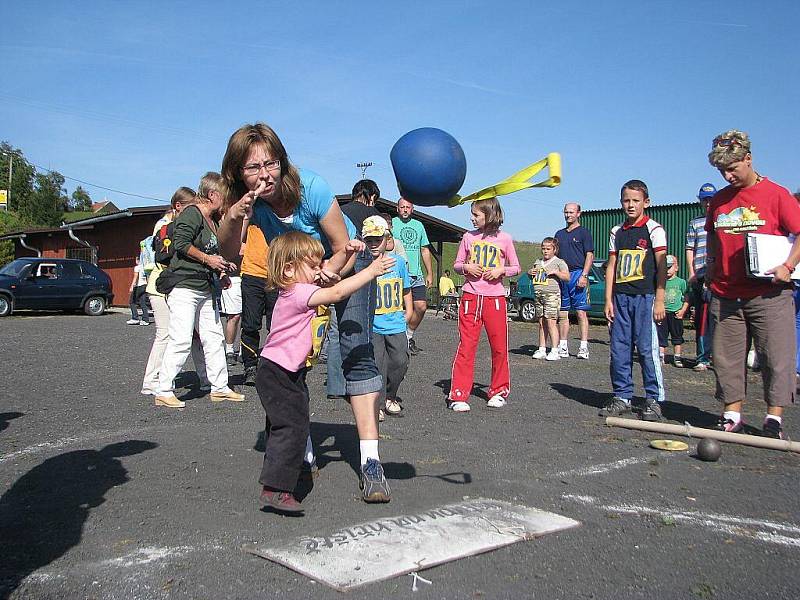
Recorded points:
(42, 514)
(478, 389)
(8, 416)
(524, 350)
(672, 411)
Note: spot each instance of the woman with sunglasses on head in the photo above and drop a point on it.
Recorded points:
(264, 186)
(191, 284)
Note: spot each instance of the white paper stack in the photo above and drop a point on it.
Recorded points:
(764, 251)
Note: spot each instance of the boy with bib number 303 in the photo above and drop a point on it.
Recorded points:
(636, 275)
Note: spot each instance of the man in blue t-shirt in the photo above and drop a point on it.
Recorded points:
(576, 248)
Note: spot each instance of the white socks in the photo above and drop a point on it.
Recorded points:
(410, 333)
(584, 345)
(369, 449)
(562, 344)
(732, 415)
(775, 417)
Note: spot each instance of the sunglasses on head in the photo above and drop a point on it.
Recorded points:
(724, 142)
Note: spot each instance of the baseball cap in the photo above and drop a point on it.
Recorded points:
(707, 190)
(670, 260)
(374, 226)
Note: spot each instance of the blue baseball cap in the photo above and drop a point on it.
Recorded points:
(707, 190)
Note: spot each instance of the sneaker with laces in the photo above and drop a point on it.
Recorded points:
(412, 347)
(132, 322)
(281, 501)
(496, 401)
(772, 429)
(729, 425)
(540, 354)
(458, 406)
(227, 394)
(373, 484)
(144, 323)
(615, 407)
(393, 408)
(677, 362)
(563, 351)
(554, 355)
(650, 411)
(169, 400)
(701, 366)
(583, 353)
(250, 375)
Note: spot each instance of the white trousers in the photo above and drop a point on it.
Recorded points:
(161, 315)
(190, 310)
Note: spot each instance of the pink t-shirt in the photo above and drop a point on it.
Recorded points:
(488, 251)
(290, 337)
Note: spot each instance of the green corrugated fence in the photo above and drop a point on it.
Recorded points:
(673, 217)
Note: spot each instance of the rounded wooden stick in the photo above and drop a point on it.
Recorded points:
(698, 432)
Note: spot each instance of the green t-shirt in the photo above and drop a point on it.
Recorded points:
(191, 229)
(674, 293)
(412, 234)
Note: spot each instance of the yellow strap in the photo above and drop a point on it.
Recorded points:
(518, 181)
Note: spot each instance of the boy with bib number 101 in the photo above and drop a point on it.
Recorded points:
(485, 256)
(636, 276)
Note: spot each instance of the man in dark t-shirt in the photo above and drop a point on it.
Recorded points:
(576, 248)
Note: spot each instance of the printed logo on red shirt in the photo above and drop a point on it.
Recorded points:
(739, 220)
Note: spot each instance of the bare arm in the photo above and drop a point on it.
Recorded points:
(408, 304)
(690, 264)
(611, 271)
(583, 280)
(347, 287)
(426, 260)
(659, 312)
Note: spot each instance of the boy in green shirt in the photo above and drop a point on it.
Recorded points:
(676, 305)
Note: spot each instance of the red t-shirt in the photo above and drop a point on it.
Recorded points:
(762, 208)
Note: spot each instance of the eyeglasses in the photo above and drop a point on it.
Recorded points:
(724, 142)
(255, 168)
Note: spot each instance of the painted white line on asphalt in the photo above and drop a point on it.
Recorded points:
(721, 523)
(143, 556)
(603, 468)
(69, 441)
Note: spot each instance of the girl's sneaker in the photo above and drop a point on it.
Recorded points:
(132, 322)
(458, 406)
(554, 355)
(677, 362)
(496, 401)
(540, 354)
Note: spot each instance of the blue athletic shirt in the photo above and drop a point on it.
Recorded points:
(316, 199)
(389, 309)
(574, 245)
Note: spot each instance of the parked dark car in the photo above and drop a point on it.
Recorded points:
(523, 298)
(54, 284)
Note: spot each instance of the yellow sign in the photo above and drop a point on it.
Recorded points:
(4, 198)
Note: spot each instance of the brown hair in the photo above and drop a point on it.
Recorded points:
(490, 207)
(553, 241)
(239, 145)
(184, 195)
(636, 185)
(291, 248)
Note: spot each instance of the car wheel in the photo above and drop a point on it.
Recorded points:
(95, 306)
(527, 311)
(5, 305)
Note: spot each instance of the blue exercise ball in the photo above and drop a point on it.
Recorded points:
(429, 165)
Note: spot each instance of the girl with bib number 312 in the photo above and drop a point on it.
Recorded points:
(485, 256)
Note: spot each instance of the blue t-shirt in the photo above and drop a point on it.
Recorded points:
(573, 246)
(316, 199)
(389, 310)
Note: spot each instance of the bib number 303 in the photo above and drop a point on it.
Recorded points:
(390, 295)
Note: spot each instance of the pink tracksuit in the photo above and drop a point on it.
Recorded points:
(483, 304)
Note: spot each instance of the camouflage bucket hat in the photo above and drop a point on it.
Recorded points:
(728, 148)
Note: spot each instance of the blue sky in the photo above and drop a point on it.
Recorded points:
(142, 96)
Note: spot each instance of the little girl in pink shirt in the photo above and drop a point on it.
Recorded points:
(484, 257)
(294, 264)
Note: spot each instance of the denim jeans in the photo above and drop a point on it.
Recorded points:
(354, 320)
(335, 385)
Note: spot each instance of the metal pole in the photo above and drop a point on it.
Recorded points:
(10, 175)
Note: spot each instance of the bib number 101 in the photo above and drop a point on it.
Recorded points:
(630, 265)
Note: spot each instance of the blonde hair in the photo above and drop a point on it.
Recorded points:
(243, 139)
(490, 207)
(735, 149)
(291, 248)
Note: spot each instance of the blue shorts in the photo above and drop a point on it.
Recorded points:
(573, 297)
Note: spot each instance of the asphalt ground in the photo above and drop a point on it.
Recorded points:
(107, 497)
